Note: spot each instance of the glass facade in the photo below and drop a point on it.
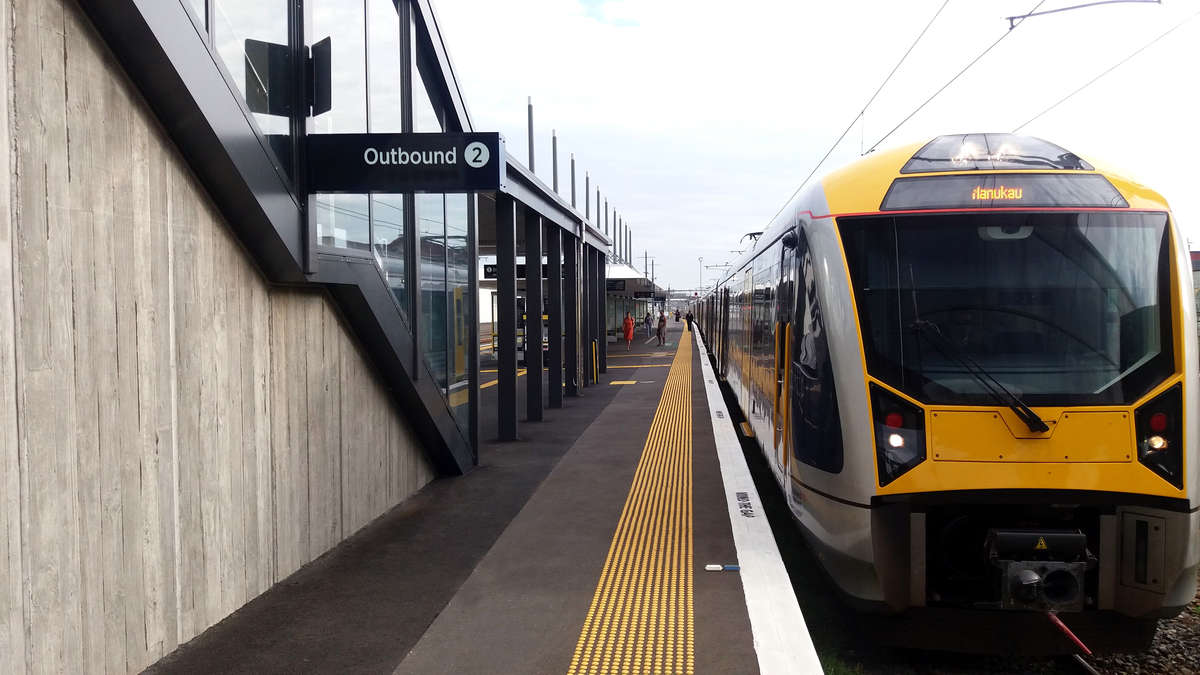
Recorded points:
(367, 41)
(234, 27)
(197, 6)
(459, 306)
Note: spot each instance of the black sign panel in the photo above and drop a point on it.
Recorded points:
(449, 162)
(614, 284)
(489, 271)
(643, 294)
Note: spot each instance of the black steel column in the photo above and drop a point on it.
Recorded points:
(554, 280)
(571, 310)
(602, 300)
(473, 324)
(597, 312)
(533, 315)
(585, 289)
(506, 316)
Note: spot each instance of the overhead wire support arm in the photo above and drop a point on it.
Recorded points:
(1014, 20)
(1108, 70)
(952, 80)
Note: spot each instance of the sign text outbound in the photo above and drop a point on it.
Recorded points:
(450, 162)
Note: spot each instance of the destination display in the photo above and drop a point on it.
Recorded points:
(450, 162)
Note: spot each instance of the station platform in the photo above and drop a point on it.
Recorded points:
(581, 548)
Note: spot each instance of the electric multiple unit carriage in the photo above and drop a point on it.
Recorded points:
(972, 367)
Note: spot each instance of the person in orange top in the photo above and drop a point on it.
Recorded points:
(627, 327)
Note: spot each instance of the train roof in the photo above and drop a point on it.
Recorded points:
(859, 187)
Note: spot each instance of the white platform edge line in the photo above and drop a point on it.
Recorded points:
(781, 639)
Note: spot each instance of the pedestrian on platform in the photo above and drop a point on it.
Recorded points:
(627, 328)
(689, 318)
(662, 329)
(649, 323)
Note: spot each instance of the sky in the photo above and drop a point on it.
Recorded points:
(698, 119)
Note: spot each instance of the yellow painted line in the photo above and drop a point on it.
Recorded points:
(747, 430)
(647, 365)
(641, 619)
(623, 382)
(485, 385)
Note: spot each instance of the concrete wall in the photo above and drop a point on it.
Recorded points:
(175, 434)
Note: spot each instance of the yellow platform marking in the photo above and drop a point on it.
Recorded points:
(747, 430)
(641, 616)
(623, 382)
(647, 365)
(493, 383)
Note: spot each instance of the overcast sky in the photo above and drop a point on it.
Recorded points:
(699, 120)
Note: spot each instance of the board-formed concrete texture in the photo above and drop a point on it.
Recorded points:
(176, 435)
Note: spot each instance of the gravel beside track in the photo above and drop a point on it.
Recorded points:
(1176, 648)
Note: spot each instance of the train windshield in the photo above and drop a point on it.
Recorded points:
(1060, 308)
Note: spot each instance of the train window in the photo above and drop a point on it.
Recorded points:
(987, 152)
(816, 425)
(1060, 308)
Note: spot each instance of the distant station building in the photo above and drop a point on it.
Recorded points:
(239, 303)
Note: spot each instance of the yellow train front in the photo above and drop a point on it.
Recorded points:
(971, 364)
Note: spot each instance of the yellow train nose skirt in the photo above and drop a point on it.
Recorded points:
(641, 616)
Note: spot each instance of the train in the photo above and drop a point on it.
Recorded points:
(971, 366)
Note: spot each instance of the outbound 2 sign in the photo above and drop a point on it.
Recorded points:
(405, 162)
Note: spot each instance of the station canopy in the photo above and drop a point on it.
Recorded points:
(623, 280)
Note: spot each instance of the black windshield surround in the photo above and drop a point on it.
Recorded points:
(1064, 308)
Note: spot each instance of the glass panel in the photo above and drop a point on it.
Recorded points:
(1060, 308)
(344, 23)
(383, 40)
(387, 217)
(431, 227)
(233, 23)
(342, 222)
(984, 152)
(458, 307)
(197, 7)
(425, 117)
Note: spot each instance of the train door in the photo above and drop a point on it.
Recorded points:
(785, 298)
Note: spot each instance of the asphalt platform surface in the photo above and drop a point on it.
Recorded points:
(493, 572)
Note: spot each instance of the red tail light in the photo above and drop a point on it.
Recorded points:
(899, 434)
(1159, 425)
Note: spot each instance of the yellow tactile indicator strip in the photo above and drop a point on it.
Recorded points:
(641, 617)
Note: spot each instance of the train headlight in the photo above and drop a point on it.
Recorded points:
(899, 434)
(1159, 425)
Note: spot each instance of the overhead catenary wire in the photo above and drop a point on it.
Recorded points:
(866, 105)
(954, 79)
(1108, 70)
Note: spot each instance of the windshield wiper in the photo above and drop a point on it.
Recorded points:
(993, 386)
